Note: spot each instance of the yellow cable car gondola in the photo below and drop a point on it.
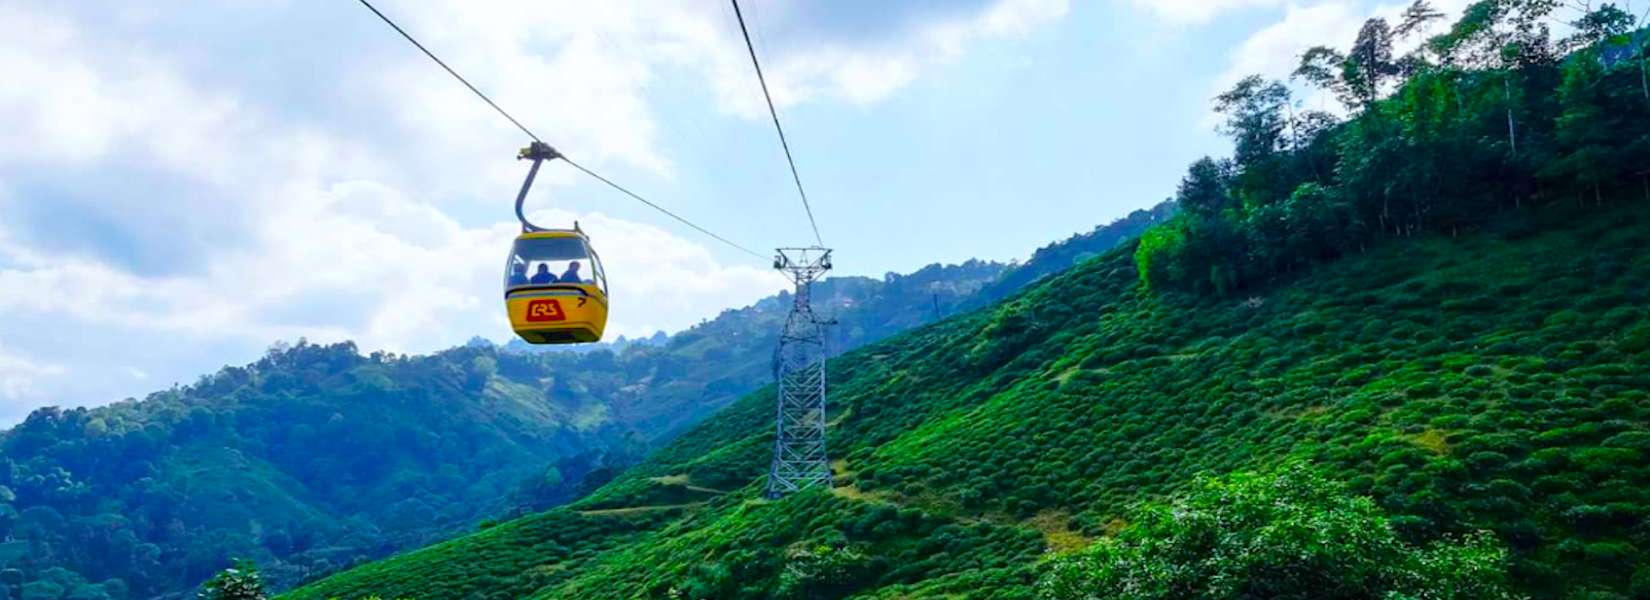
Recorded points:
(555, 290)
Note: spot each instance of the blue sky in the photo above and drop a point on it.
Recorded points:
(182, 184)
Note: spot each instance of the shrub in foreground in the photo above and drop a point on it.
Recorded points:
(1290, 535)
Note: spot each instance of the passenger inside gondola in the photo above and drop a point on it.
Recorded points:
(543, 276)
(571, 275)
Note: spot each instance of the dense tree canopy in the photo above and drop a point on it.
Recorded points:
(1489, 116)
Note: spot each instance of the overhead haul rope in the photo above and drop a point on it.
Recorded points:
(776, 126)
(535, 137)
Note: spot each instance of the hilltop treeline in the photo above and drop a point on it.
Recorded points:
(1493, 114)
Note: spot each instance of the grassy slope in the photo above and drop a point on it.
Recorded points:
(1497, 380)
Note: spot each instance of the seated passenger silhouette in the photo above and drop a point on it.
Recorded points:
(518, 274)
(572, 273)
(543, 275)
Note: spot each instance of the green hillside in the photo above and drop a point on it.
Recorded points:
(1431, 317)
(1490, 381)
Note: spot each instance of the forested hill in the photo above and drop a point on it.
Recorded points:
(317, 457)
(1435, 311)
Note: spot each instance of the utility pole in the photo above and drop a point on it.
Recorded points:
(799, 459)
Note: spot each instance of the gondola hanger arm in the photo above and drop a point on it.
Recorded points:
(538, 152)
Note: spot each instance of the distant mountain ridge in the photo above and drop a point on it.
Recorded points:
(1056, 257)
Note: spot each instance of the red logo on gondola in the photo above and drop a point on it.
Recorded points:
(545, 310)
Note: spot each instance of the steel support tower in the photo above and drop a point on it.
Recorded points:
(799, 458)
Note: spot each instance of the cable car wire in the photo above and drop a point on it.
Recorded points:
(450, 70)
(661, 209)
(776, 126)
(535, 137)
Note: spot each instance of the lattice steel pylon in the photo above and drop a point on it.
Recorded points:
(799, 458)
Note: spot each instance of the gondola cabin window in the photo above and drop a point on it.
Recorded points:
(552, 260)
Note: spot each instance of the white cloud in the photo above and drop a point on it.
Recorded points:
(866, 71)
(586, 68)
(329, 253)
(63, 106)
(580, 69)
(1275, 50)
(212, 214)
(19, 375)
(313, 234)
(1198, 11)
